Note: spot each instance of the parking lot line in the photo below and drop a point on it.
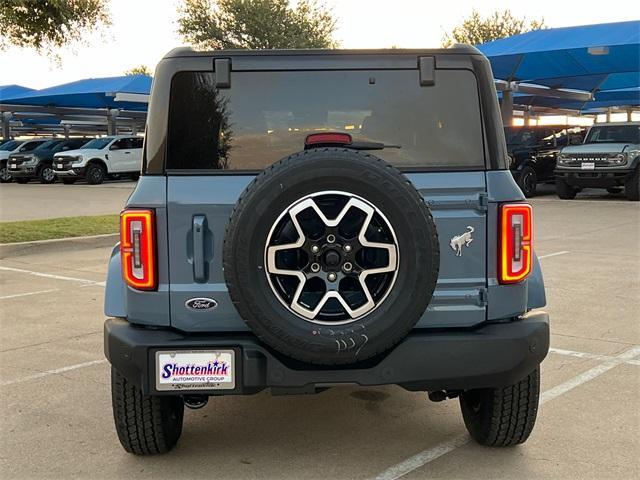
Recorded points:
(422, 458)
(18, 295)
(564, 252)
(52, 276)
(591, 356)
(52, 372)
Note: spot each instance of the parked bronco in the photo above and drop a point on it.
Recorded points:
(308, 219)
(609, 158)
(533, 151)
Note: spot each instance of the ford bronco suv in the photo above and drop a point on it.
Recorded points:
(609, 158)
(533, 151)
(309, 219)
(100, 159)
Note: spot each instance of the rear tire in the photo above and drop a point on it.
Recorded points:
(95, 174)
(146, 424)
(632, 186)
(527, 181)
(564, 190)
(502, 417)
(69, 181)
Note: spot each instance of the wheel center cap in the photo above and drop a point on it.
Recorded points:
(332, 258)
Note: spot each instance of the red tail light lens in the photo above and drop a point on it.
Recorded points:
(516, 242)
(138, 249)
(316, 139)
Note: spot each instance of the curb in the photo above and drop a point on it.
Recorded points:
(58, 245)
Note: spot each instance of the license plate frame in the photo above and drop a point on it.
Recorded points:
(179, 377)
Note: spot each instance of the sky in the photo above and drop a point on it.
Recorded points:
(144, 30)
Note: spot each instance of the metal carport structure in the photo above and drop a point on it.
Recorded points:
(575, 68)
(89, 106)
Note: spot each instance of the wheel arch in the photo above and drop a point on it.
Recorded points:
(98, 161)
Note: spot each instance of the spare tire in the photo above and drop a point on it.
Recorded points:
(331, 256)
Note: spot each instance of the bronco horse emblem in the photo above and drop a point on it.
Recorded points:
(461, 240)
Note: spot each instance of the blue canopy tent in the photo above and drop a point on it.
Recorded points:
(600, 62)
(89, 93)
(8, 91)
(99, 100)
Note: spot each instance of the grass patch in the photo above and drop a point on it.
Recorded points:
(30, 230)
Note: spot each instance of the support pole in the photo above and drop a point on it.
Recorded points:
(112, 123)
(608, 115)
(66, 131)
(506, 108)
(6, 125)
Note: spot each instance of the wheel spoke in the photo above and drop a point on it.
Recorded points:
(332, 290)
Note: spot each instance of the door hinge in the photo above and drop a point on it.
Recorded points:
(483, 297)
(222, 69)
(483, 202)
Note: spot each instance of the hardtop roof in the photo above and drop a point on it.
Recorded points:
(458, 49)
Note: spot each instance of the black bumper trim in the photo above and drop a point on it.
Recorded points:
(494, 355)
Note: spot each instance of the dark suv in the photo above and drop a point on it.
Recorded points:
(310, 219)
(38, 163)
(533, 151)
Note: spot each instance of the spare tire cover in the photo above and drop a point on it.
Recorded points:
(331, 256)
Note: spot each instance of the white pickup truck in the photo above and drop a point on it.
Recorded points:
(101, 158)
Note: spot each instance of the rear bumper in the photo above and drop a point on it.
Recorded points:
(601, 177)
(491, 356)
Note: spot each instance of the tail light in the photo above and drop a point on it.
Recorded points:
(516, 242)
(138, 249)
(328, 138)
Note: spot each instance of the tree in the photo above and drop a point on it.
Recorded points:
(139, 70)
(260, 24)
(48, 24)
(476, 29)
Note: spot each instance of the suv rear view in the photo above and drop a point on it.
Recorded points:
(307, 219)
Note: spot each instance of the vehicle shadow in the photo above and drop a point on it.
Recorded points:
(347, 432)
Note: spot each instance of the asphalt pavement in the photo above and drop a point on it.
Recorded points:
(56, 420)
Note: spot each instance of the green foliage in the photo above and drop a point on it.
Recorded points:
(476, 29)
(139, 70)
(259, 24)
(30, 230)
(48, 24)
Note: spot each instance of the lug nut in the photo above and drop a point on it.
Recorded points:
(331, 238)
(347, 248)
(315, 248)
(347, 266)
(315, 267)
(332, 277)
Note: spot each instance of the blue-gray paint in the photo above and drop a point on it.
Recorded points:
(467, 291)
(115, 291)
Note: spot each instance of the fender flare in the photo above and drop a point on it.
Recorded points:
(536, 296)
(115, 291)
(99, 161)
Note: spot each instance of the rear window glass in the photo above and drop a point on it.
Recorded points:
(266, 116)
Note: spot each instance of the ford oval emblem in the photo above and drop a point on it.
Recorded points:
(201, 303)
